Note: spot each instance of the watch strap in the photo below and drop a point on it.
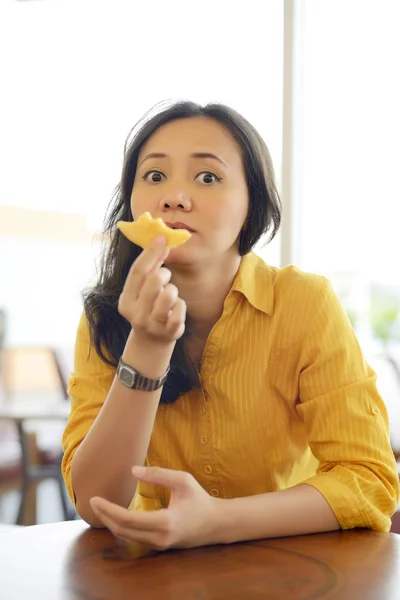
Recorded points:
(133, 380)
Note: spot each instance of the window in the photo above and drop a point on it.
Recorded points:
(349, 215)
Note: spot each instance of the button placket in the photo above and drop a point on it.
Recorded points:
(208, 468)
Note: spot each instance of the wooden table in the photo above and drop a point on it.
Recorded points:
(70, 561)
(34, 410)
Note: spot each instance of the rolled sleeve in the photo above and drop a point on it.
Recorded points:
(88, 387)
(346, 422)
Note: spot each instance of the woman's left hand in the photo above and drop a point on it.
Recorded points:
(191, 519)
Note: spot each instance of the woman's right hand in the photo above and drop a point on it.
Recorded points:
(149, 301)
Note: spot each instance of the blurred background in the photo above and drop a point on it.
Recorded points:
(316, 77)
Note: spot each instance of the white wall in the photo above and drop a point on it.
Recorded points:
(77, 76)
(40, 287)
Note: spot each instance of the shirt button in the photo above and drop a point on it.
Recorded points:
(208, 469)
(202, 410)
(204, 439)
(375, 411)
(214, 492)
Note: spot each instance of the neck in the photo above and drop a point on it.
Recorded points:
(204, 290)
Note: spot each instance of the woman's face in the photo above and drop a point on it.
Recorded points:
(191, 172)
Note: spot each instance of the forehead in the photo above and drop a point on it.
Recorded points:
(194, 134)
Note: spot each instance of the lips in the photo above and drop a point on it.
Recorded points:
(179, 225)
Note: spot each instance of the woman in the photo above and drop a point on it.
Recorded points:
(256, 415)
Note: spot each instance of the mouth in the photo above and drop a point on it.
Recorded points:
(179, 226)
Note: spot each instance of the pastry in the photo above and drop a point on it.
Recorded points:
(143, 231)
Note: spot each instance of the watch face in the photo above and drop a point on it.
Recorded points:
(126, 376)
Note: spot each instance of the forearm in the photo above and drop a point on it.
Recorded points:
(119, 437)
(295, 511)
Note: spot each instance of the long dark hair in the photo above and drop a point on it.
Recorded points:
(108, 329)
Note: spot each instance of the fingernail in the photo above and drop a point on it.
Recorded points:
(138, 471)
(160, 240)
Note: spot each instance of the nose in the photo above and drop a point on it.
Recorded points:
(177, 200)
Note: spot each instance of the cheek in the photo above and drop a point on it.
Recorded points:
(229, 212)
(139, 204)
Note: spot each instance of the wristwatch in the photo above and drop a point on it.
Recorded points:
(133, 380)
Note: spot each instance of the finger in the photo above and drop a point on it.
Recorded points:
(176, 320)
(121, 517)
(154, 284)
(161, 260)
(147, 540)
(128, 534)
(164, 303)
(170, 478)
(155, 252)
(151, 258)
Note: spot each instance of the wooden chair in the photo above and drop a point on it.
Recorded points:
(36, 372)
(11, 471)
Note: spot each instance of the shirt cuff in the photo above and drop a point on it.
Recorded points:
(345, 504)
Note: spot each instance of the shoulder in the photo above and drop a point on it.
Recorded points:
(284, 285)
(302, 302)
(86, 356)
(291, 283)
(83, 332)
(279, 291)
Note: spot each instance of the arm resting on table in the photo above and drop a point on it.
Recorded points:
(295, 511)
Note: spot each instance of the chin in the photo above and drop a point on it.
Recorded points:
(188, 254)
(183, 255)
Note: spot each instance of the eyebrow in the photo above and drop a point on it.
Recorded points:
(194, 155)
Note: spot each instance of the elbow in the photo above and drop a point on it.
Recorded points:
(82, 504)
(392, 500)
(86, 513)
(94, 522)
(381, 502)
(389, 490)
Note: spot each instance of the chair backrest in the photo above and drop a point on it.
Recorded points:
(2, 340)
(63, 360)
(27, 369)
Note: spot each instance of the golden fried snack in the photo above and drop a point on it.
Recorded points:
(137, 549)
(143, 231)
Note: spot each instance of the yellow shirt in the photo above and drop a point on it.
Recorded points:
(287, 398)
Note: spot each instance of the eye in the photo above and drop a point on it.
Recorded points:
(154, 176)
(208, 178)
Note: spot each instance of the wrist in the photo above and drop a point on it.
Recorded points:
(148, 358)
(222, 522)
(238, 520)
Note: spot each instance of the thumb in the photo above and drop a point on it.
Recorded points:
(170, 478)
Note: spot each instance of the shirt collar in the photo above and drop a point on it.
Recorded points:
(255, 280)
